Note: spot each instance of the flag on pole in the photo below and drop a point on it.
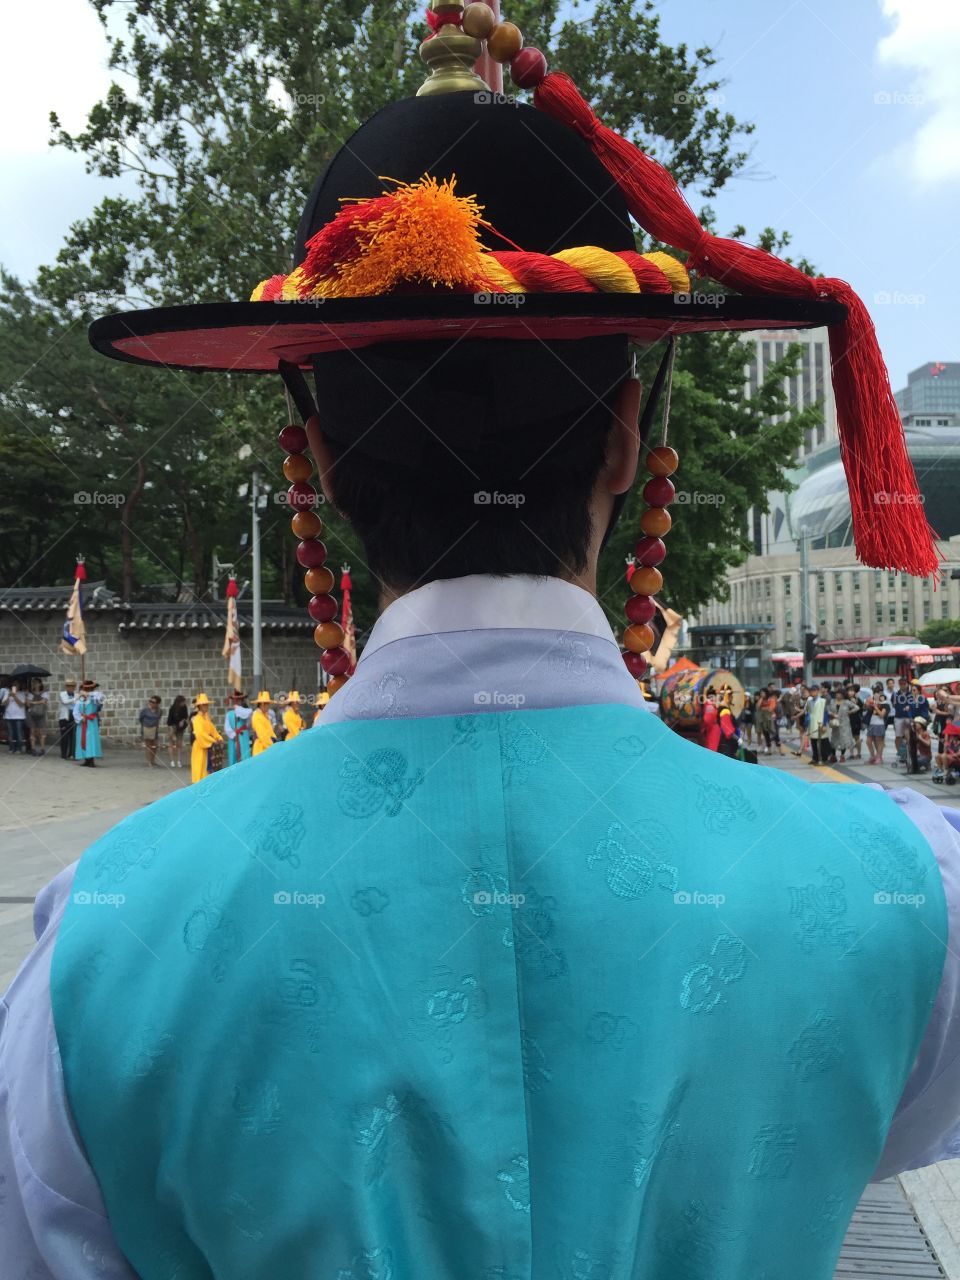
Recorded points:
(349, 631)
(74, 632)
(231, 640)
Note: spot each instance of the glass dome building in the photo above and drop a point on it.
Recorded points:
(820, 505)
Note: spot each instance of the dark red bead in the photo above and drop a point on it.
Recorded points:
(650, 550)
(528, 68)
(335, 662)
(301, 495)
(322, 608)
(659, 492)
(640, 609)
(311, 554)
(635, 663)
(293, 438)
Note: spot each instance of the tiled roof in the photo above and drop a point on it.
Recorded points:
(198, 616)
(96, 595)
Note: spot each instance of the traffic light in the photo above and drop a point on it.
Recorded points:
(809, 646)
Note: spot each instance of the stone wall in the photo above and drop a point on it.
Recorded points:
(132, 664)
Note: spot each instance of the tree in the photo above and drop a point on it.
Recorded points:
(941, 633)
(224, 115)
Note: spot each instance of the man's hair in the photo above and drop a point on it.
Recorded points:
(481, 461)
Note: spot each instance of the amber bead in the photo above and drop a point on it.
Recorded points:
(646, 580)
(322, 608)
(638, 638)
(306, 524)
(662, 461)
(293, 439)
(337, 682)
(656, 521)
(478, 21)
(297, 467)
(639, 608)
(328, 635)
(528, 68)
(319, 581)
(504, 42)
(636, 665)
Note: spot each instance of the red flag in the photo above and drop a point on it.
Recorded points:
(346, 621)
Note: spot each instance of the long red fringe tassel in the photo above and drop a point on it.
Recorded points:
(890, 528)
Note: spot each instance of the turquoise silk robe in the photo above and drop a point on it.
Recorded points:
(469, 983)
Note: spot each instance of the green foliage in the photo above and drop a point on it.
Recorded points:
(941, 633)
(224, 114)
(732, 451)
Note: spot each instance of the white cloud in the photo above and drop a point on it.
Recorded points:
(926, 40)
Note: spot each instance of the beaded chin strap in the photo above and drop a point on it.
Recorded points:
(646, 579)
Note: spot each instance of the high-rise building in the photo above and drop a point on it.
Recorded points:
(932, 387)
(768, 530)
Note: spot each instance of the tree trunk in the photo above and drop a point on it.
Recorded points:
(126, 530)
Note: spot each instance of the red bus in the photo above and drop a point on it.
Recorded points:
(787, 666)
(864, 666)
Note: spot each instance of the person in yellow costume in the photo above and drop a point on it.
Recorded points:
(204, 736)
(293, 721)
(263, 734)
(321, 701)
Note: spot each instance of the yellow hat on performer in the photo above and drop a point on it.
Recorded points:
(263, 696)
(201, 700)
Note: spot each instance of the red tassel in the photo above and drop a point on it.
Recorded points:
(231, 588)
(889, 526)
(79, 573)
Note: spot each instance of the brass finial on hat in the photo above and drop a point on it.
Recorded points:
(450, 53)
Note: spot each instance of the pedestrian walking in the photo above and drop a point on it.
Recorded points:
(747, 717)
(149, 719)
(842, 711)
(178, 717)
(66, 698)
(37, 718)
(818, 724)
(856, 720)
(15, 706)
(86, 713)
(878, 710)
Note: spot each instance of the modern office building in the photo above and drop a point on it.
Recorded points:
(932, 389)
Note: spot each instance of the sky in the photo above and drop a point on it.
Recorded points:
(856, 150)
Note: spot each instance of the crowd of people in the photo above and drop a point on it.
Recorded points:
(831, 724)
(26, 706)
(247, 729)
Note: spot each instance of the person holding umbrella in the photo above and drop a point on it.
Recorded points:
(15, 715)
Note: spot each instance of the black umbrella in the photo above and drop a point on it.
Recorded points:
(25, 669)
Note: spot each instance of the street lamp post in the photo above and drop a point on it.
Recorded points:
(257, 594)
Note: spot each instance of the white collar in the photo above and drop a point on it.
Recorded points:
(482, 602)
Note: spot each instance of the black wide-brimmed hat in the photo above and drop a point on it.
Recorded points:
(458, 217)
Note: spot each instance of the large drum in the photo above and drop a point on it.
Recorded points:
(683, 694)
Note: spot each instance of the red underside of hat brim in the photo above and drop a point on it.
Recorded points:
(255, 337)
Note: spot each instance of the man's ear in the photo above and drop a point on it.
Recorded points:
(322, 456)
(623, 445)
